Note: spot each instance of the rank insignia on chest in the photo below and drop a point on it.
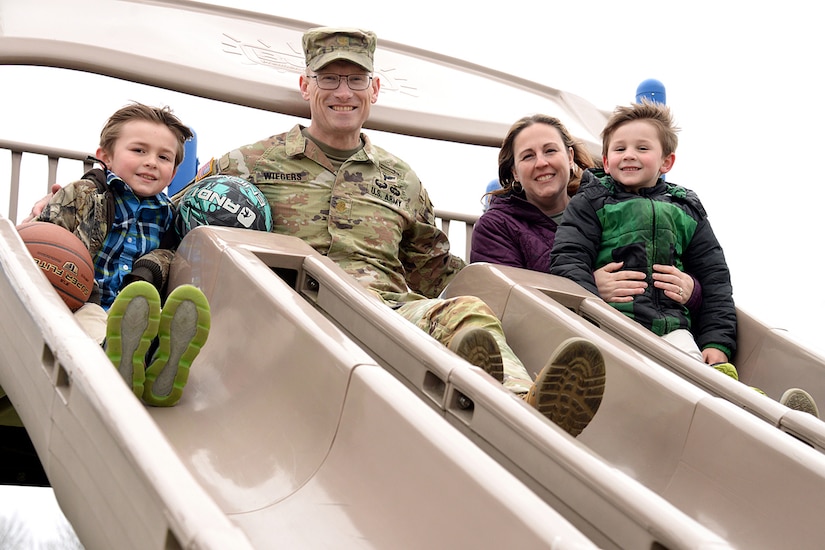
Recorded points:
(340, 206)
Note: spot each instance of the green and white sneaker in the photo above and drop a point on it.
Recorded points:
(184, 327)
(131, 326)
(730, 370)
(727, 368)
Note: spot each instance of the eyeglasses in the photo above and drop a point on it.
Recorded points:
(331, 81)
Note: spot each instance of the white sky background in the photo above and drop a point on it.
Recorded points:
(742, 79)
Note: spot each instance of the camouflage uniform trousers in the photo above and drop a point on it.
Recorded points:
(443, 318)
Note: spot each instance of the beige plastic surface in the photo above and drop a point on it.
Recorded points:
(288, 436)
(767, 358)
(753, 484)
(269, 439)
(608, 506)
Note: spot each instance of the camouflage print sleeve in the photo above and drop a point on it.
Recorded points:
(152, 267)
(425, 253)
(79, 208)
(62, 209)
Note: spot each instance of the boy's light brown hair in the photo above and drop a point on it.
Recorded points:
(138, 111)
(657, 114)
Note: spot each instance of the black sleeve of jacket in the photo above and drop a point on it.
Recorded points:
(577, 241)
(715, 322)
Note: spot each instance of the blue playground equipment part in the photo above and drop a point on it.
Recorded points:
(491, 186)
(651, 89)
(188, 168)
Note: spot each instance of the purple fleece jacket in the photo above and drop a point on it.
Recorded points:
(514, 232)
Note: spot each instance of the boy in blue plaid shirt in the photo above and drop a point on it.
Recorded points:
(121, 212)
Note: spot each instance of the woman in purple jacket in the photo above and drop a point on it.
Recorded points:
(540, 166)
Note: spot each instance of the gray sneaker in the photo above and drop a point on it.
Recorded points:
(131, 326)
(799, 400)
(569, 389)
(184, 327)
(478, 347)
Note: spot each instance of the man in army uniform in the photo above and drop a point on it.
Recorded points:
(366, 209)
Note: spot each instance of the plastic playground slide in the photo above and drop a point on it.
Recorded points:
(290, 436)
(707, 457)
(315, 417)
(609, 507)
(766, 358)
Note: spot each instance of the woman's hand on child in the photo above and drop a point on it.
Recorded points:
(619, 286)
(678, 286)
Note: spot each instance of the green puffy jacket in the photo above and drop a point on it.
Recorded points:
(665, 224)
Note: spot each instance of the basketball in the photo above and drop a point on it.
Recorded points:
(64, 260)
(227, 201)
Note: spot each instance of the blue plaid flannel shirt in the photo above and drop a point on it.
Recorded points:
(139, 225)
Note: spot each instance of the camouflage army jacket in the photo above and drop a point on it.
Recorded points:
(373, 217)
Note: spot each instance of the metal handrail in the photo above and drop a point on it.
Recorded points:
(54, 155)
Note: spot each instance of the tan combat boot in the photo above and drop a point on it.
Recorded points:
(569, 389)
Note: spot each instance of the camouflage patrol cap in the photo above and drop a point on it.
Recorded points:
(323, 45)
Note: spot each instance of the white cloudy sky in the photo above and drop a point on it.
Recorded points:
(742, 79)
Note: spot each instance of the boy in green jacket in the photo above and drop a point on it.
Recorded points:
(633, 216)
